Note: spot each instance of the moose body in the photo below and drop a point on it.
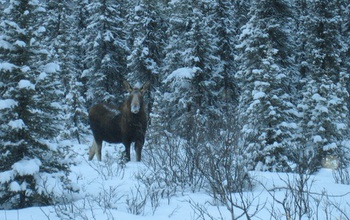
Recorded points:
(125, 124)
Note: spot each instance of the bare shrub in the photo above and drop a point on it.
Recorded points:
(109, 197)
(136, 202)
(153, 193)
(224, 168)
(299, 202)
(175, 166)
(113, 164)
(341, 175)
(69, 210)
(170, 166)
(336, 210)
(296, 202)
(201, 211)
(341, 168)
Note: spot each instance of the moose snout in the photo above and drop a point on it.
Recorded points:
(135, 109)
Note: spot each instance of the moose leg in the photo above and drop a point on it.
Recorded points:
(99, 150)
(96, 148)
(127, 151)
(92, 150)
(138, 148)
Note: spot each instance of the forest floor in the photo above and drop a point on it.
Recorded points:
(108, 191)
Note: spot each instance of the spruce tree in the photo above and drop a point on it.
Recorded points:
(325, 120)
(226, 87)
(192, 67)
(146, 39)
(346, 41)
(105, 59)
(65, 32)
(34, 167)
(267, 114)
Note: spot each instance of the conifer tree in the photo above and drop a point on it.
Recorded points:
(325, 120)
(33, 169)
(60, 40)
(146, 39)
(105, 59)
(192, 68)
(266, 111)
(65, 33)
(346, 40)
(224, 30)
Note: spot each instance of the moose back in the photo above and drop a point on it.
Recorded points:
(120, 124)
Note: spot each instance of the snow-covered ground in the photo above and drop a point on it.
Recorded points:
(108, 191)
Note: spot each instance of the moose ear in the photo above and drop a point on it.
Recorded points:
(145, 87)
(127, 86)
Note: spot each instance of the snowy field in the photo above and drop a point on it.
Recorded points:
(109, 191)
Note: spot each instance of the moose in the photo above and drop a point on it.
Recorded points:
(120, 124)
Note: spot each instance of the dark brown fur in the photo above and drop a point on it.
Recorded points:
(115, 124)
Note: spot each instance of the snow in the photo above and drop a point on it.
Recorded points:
(17, 124)
(257, 71)
(173, 2)
(330, 146)
(138, 8)
(5, 45)
(25, 69)
(115, 112)
(51, 68)
(318, 97)
(7, 103)
(289, 125)
(41, 29)
(6, 176)
(7, 66)
(145, 51)
(317, 138)
(181, 74)
(281, 76)
(20, 43)
(27, 167)
(322, 108)
(258, 95)
(261, 84)
(105, 189)
(49, 183)
(340, 126)
(26, 84)
(40, 9)
(15, 187)
(42, 76)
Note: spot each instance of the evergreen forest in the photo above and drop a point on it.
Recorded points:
(266, 80)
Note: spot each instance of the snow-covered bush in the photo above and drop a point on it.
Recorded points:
(38, 181)
(113, 164)
(296, 199)
(170, 167)
(136, 201)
